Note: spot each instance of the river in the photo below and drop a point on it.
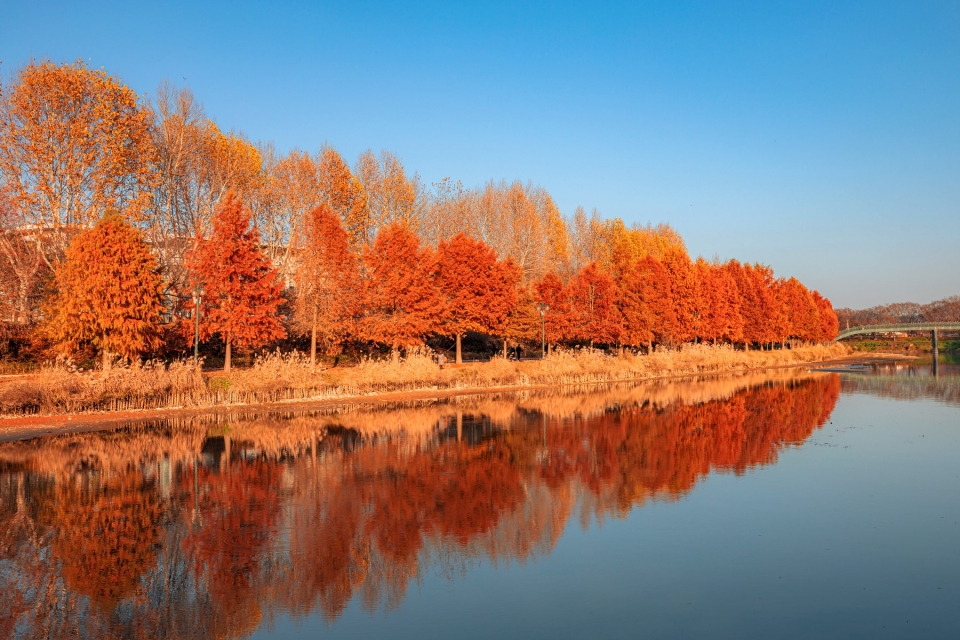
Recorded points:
(788, 504)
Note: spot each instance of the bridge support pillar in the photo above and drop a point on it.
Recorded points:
(936, 347)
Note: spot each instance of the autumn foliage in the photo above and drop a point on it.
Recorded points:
(327, 280)
(108, 292)
(367, 256)
(239, 288)
(303, 515)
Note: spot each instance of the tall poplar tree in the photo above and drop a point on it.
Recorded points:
(241, 289)
(108, 292)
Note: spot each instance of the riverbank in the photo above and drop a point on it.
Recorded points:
(284, 379)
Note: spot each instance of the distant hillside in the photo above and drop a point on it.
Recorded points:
(944, 310)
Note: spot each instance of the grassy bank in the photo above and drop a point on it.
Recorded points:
(59, 389)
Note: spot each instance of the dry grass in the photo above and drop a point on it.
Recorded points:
(61, 388)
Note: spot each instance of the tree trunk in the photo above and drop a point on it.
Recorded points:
(395, 354)
(313, 342)
(106, 361)
(459, 354)
(504, 348)
(23, 303)
(226, 359)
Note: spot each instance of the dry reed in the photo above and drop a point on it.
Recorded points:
(60, 388)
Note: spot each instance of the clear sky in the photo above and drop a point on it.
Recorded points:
(822, 139)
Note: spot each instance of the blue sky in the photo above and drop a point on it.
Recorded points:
(822, 139)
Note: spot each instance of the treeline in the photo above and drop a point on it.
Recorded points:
(945, 310)
(121, 217)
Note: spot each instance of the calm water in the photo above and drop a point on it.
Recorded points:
(792, 505)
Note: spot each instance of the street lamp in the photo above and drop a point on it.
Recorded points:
(543, 307)
(197, 298)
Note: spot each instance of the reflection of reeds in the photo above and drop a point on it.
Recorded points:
(179, 440)
(315, 510)
(59, 389)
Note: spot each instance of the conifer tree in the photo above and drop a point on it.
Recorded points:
(241, 289)
(476, 293)
(829, 324)
(402, 305)
(551, 292)
(595, 316)
(651, 281)
(327, 280)
(518, 318)
(108, 292)
(683, 288)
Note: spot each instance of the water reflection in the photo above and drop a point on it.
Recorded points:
(208, 527)
(908, 380)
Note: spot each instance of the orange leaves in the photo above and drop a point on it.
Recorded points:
(327, 280)
(477, 292)
(108, 292)
(595, 316)
(391, 196)
(553, 301)
(74, 142)
(647, 299)
(345, 195)
(402, 302)
(106, 537)
(241, 290)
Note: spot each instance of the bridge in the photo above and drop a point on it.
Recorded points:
(902, 327)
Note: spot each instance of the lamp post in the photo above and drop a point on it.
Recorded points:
(543, 307)
(197, 298)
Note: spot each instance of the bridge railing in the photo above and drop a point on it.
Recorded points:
(901, 327)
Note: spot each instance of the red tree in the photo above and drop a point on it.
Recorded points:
(594, 315)
(241, 289)
(829, 325)
(719, 303)
(327, 281)
(757, 305)
(109, 292)
(647, 303)
(803, 311)
(476, 292)
(683, 287)
(402, 302)
(552, 296)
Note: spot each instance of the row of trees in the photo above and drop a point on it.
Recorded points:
(199, 220)
(75, 142)
(398, 293)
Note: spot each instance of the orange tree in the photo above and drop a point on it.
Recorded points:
(595, 316)
(240, 288)
(73, 142)
(108, 292)
(402, 304)
(648, 305)
(553, 298)
(477, 293)
(327, 280)
(829, 325)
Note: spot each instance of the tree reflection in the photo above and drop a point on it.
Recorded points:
(212, 550)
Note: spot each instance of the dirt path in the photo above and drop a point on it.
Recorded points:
(20, 428)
